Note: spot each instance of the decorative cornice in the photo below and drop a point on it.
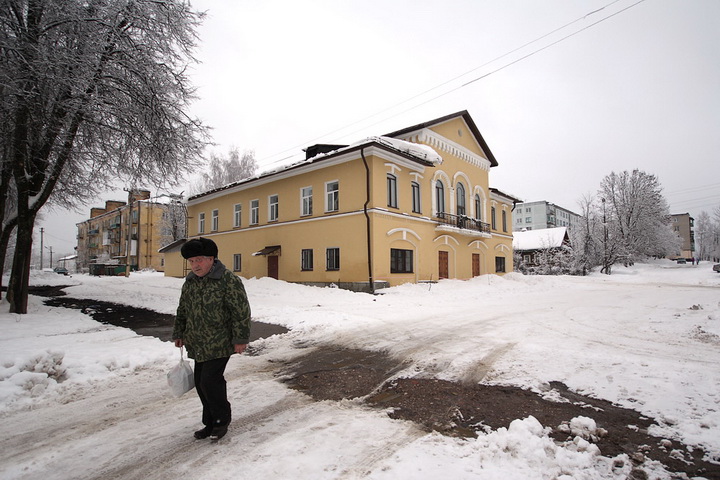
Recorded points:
(438, 142)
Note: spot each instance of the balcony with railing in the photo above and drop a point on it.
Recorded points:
(462, 222)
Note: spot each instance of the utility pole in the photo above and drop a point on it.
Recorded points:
(51, 260)
(42, 231)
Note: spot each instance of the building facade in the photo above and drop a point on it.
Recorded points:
(684, 225)
(411, 206)
(128, 233)
(542, 214)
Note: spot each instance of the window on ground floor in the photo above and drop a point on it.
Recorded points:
(401, 261)
(499, 264)
(237, 262)
(332, 258)
(306, 259)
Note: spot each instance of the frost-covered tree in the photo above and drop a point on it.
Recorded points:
(91, 91)
(174, 222)
(637, 216)
(223, 171)
(707, 235)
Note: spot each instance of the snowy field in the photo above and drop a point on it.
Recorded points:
(83, 400)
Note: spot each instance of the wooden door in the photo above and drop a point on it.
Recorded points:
(273, 266)
(475, 264)
(443, 264)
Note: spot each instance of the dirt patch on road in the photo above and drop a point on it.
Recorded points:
(141, 320)
(332, 373)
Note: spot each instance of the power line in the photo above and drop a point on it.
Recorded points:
(460, 76)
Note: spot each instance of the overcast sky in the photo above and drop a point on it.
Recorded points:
(639, 89)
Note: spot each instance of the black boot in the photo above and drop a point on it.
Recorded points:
(218, 432)
(204, 433)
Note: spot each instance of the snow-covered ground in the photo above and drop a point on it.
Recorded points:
(79, 399)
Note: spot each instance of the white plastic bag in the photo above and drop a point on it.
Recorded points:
(180, 378)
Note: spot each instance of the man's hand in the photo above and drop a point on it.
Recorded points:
(240, 347)
(178, 342)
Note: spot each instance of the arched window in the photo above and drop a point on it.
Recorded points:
(478, 208)
(392, 194)
(439, 197)
(460, 194)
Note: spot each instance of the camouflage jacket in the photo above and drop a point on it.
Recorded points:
(213, 314)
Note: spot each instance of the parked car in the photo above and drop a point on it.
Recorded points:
(681, 261)
(716, 267)
(61, 270)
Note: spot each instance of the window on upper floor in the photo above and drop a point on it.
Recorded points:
(493, 220)
(332, 197)
(254, 212)
(273, 208)
(201, 222)
(416, 197)
(306, 201)
(392, 194)
(478, 208)
(237, 215)
(439, 197)
(460, 194)
(504, 221)
(215, 220)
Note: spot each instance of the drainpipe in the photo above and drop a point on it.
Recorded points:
(367, 221)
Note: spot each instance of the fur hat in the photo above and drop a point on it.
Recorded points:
(199, 247)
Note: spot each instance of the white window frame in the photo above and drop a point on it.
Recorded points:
(201, 222)
(273, 207)
(306, 203)
(215, 223)
(237, 262)
(254, 212)
(332, 197)
(237, 215)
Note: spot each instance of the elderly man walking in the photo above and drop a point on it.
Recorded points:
(212, 323)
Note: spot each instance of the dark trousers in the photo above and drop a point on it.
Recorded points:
(212, 389)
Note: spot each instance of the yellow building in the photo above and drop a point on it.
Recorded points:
(411, 206)
(127, 233)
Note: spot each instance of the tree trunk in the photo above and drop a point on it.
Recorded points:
(4, 242)
(17, 294)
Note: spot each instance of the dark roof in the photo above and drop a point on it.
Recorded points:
(499, 192)
(470, 123)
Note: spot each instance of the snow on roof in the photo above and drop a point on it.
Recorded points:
(536, 239)
(420, 151)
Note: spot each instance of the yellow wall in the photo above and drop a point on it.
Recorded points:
(391, 228)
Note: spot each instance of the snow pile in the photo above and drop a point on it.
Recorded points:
(644, 338)
(523, 450)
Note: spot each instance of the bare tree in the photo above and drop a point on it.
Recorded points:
(637, 216)
(223, 171)
(92, 91)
